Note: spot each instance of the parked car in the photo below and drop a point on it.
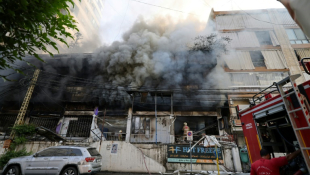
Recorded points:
(58, 160)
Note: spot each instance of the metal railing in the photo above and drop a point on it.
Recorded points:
(114, 136)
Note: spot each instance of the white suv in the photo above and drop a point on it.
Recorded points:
(62, 160)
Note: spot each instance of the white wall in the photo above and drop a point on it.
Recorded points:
(32, 146)
(127, 159)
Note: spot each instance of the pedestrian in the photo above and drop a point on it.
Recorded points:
(268, 166)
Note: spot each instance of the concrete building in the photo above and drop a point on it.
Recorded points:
(88, 14)
(267, 45)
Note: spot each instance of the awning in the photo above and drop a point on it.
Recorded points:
(248, 39)
(239, 60)
(274, 59)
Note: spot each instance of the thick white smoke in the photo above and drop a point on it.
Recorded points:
(157, 53)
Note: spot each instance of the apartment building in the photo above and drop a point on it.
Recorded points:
(88, 14)
(266, 46)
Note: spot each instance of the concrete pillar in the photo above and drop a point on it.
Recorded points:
(286, 47)
(228, 158)
(128, 129)
(236, 159)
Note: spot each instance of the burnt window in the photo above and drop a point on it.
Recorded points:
(257, 59)
(141, 125)
(263, 37)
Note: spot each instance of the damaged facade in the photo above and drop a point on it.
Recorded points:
(151, 118)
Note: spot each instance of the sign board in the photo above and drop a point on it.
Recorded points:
(114, 148)
(7, 143)
(190, 135)
(200, 154)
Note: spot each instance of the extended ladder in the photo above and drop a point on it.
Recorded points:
(23, 109)
(303, 103)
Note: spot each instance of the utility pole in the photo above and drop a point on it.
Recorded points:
(23, 109)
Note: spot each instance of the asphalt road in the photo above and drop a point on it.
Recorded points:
(115, 173)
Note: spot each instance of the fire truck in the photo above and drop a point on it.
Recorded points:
(280, 123)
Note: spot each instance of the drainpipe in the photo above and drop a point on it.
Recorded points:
(156, 115)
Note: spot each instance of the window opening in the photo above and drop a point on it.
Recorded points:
(257, 59)
(141, 125)
(263, 37)
(297, 36)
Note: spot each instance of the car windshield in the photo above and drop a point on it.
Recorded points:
(93, 152)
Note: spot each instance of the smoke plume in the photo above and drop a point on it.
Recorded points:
(156, 54)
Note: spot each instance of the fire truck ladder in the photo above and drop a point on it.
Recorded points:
(23, 109)
(304, 107)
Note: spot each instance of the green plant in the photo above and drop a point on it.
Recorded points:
(12, 154)
(24, 130)
(27, 26)
(21, 132)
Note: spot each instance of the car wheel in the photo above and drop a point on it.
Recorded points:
(70, 171)
(12, 170)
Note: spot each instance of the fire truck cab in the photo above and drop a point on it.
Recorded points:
(269, 124)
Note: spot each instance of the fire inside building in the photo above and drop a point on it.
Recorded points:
(146, 106)
(149, 115)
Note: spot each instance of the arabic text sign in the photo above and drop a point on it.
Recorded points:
(200, 154)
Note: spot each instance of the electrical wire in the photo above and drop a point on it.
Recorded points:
(253, 16)
(165, 7)
(277, 127)
(120, 28)
(207, 3)
(52, 99)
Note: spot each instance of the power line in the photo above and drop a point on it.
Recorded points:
(111, 6)
(207, 3)
(120, 28)
(164, 7)
(43, 103)
(52, 98)
(253, 16)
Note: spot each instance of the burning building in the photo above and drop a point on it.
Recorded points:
(163, 74)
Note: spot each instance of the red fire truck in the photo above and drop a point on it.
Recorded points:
(281, 123)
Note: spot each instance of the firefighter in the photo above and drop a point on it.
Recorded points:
(120, 136)
(185, 129)
(266, 165)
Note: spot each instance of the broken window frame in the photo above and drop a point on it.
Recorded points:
(141, 125)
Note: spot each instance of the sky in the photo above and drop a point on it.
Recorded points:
(119, 15)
